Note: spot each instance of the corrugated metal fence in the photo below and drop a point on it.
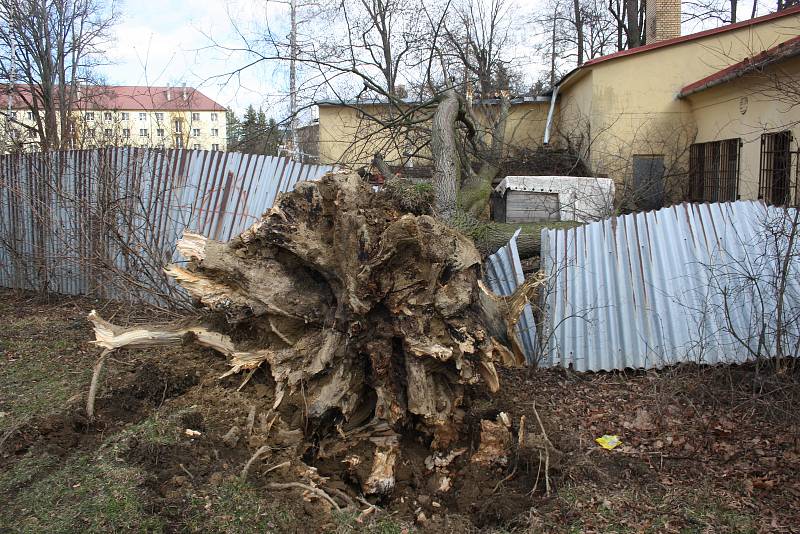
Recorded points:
(705, 283)
(104, 222)
(503, 274)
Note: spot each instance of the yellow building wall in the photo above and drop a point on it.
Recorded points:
(628, 105)
(350, 136)
(746, 108)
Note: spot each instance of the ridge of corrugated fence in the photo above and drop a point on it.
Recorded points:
(704, 283)
(503, 274)
(99, 221)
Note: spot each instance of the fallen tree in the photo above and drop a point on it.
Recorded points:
(370, 321)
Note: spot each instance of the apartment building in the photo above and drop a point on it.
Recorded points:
(138, 116)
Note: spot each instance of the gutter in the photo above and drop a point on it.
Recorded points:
(550, 114)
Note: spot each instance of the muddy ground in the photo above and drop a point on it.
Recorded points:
(703, 449)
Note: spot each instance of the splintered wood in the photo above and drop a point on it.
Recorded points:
(364, 316)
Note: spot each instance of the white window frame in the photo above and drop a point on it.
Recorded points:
(195, 116)
(142, 116)
(143, 132)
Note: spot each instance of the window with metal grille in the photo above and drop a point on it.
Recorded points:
(774, 185)
(714, 171)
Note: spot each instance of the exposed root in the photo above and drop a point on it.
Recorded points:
(261, 450)
(98, 369)
(316, 491)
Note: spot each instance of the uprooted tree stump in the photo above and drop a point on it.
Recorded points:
(370, 320)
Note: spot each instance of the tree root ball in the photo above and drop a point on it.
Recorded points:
(368, 318)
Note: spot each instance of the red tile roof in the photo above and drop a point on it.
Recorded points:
(691, 37)
(132, 97)
(785, 50)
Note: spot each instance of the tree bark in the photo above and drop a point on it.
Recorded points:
(447, 167)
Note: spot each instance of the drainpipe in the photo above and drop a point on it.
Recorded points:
(550, 114)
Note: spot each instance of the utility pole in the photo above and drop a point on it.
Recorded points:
(293, 79)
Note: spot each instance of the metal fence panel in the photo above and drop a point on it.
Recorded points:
(102, 221)
(701, 283)
(503, 274)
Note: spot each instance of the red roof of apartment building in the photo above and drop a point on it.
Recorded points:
(692, 36)
(131, 97)
(785, 50)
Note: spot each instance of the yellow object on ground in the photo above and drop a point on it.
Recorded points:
(608, 442)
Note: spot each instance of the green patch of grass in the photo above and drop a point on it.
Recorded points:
(347, 523)
(39, 370)
(236, 506)
(155, 431)
(33, 383)
(708, 512)
(83, 494)
(617, 508)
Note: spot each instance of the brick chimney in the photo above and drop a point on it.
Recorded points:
(663, 20)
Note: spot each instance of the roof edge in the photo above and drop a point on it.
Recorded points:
(786, 50)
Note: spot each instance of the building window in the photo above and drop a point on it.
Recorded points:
(214, 117)
(107, 132)
(648, 181)
(30, 115)
(178, 141)
(714, 171)
(774, 184)
(126, 133)
(196, 146)
(142, 132)
(214, 147)
(142, 116)
(214, 132)
(14, 115)
(126, 116)
(195, 116)
(178, 127)
(196, 132)
(159, 116)
(107, 116)
(90, 132)
(160, 132)
(89, 115)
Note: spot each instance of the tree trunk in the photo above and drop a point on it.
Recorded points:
(633, 30)
(576, 6)
(447, 167)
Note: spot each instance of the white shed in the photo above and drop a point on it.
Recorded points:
(552, 198)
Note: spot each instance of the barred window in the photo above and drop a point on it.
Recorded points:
(714, 171)
(774, 184)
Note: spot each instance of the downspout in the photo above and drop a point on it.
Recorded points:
(550, 114)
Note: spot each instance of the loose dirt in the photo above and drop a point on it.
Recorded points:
(703, 449)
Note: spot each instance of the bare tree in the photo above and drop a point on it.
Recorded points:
(629, 15)
(439, 123)
(573, 33)
(55, 44)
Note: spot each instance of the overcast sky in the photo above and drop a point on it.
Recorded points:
(161, 42)
(165, 42)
